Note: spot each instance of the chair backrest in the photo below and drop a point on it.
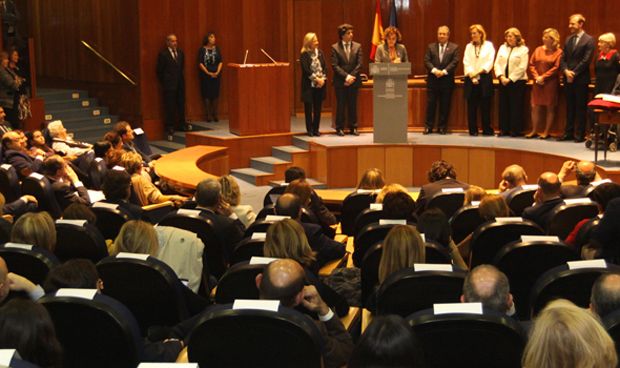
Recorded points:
(96, 172)
(564, 282)
(255, 338)
(583, 235)
(33, 263)
(524, 261)
(565, 216)
(368, 236)
(98, 332)
(491, 236)
(246, 249)
(464, 222)
(38, 186)
(9, 183)
(239, 282)
(520, 199)
(449, 203)
(473, 340)
(265, 211)
(13, 359)
(75, 241)
(258, 226)
(367, 216)
(203, 228)
(612, 325)
(408, 291)
(148, 287)
(109, 220)
(352, 206)
(272, 195)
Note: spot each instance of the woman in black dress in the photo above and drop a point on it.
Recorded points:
(313, 77)
(210, 64)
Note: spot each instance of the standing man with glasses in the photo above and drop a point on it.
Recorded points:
(347, 64)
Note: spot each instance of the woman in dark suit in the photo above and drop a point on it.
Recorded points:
(9, 87)
(210, 64)
(392, 51)
(313, 78)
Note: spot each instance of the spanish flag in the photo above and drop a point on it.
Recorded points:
(377, 32)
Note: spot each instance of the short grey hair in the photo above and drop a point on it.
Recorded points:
(491, 288)
(54, 128)
(208, 192)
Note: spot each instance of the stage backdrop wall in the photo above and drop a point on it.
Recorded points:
(131, 33)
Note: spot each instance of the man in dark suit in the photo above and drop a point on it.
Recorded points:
(170, 73)
(347, 64)
(15, 154)
(65, 183)
(116, 188)
(546, 198)
(585, 173)
(575, 65)
(440, 60)
(441, 175)
(125, 132)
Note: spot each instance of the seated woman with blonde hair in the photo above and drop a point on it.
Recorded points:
(389, 188)
(474, 194)
(372, 180)
(35, 228)
(231, 193)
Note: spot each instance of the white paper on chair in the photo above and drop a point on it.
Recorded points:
(446, 308)
(118, 168)
(18, 245)
(71, 222)
(599, 182)
(475, 203)
(544, 238)
(276, 218)
(6, 166)
(452, 190)
(259, 236)
(376, 206)
(78, 293)
(256, 260)
(138, 131)
(168, 365)
(593, 263)
(188, 212)
(6, 355)
(111, 206)
(365, 191)
(432, 267)
(392, 222)
(98, 159)
(128, 255)
(36, 176)
(95, 195)
(529, 187)
(508, 220)
(268, 305)
(584, 200)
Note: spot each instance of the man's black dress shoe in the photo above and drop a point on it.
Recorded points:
(564, 137)
(317, 133)
(443, 131)
(488, 133)
(310, 134)
(473, 134)
(579, 139)
(427, 131)
(339, 132)
(354, 132)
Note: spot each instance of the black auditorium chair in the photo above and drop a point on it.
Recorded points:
(17, 362)
(285, 338)
(369, 236)
(9, 183)
(265, 211)
(96, 172)
(408, 291)
(352, 206)
(491, 236)
(524, 261)
(273, 194)
(213, 255)
(564, 217)
(29, 261)
(464, 222)
(97, 333)
(109, 220)
(367, 216)
(38, 186)
(583, 235)
(148, 287)
(469, 340)
(449, 203)
(611, 322)
(5, 230)
(75, 241)
(562, 282)
(258, 226)
(521, 199)
(246, 249)
(436, 253)
(239, 282)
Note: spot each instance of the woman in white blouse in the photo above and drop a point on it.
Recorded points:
(478, 62)
(511, 70)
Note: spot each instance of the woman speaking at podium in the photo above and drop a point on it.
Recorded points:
(313, 77)
(392, 51)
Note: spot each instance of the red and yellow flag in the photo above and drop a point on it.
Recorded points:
(377, 32)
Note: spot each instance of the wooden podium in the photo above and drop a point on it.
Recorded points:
(259, 98)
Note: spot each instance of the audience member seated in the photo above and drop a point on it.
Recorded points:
(304, 191)
(433, 223)
(387, 342)
(585, 173)
(114, 157)
(546, 198)
(389, 188)
(65, 183)
(116, 189)
(124, 131)
(371, 181)
(565, 335)
(473, 194)
(5, 126)
(23, 204)
(16, 154)
(316, 202)
(398, 205)
(35, 228)
(232, 195)
(440, 176)
(490, 207)
(605, 238)
(79, 211)
(79, 153)
(36, 142)
(605, 297)
(327, 249)
(146, 192)
(26, 326)
(75, 274)
(487, 285)
(403, 246)
(115, 140)
(101, 149)
(513, 179)
(11, 282)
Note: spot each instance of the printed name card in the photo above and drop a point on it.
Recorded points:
(392, 222)
(447, 308)
(36, 176)
(365, 191)
(539, 238)
(432, 267)
(475, 203)
(599, 182)
(593, 263)
(452, 190)
(127, 255)
(6, 166)
(376, 206)
(259, 236)
(276, 218)
(255, 260)
(118, 168)
(98, 159)
(138, 131)
(111, 206)
(584, 200)
(508, 219)
(78, 293)
(168, 365)
(71, 222)
(6, 355)
(19, 246)
(268, 305)
(530, 186)
(423, 237)
(95, 195)
(187, 212)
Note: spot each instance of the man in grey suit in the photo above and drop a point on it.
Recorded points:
(575, 65)
(347, 64)
(440, 60)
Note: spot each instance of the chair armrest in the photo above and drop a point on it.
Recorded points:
(155, 206)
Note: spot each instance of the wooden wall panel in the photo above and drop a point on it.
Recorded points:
(481, 167)
(370, 157)
(459, 158)
(399, 164)
(423, 157)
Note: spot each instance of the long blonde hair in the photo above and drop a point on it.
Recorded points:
(403, 246)
(136, 237)
(307, 42)
(372, 179)
(35, 228)
(230, 190)
(287, 239)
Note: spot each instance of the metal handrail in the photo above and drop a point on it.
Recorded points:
(98, 54)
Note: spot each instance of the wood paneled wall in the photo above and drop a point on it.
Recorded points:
(131, 33)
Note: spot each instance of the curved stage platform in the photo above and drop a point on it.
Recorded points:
(339, 162)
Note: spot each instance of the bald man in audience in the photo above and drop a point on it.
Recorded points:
(16, 154)
(513, 179)
(488, 285)
(546, 198)
(605, 297)
(585, 173)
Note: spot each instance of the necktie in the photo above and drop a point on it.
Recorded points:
(441, 51)
(347, 50)
(174, 53)
(575, 40)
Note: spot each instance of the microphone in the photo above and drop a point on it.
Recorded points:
(270, 58)
(246, 56)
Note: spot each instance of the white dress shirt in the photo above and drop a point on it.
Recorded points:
(483, 60)
(517, 65)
